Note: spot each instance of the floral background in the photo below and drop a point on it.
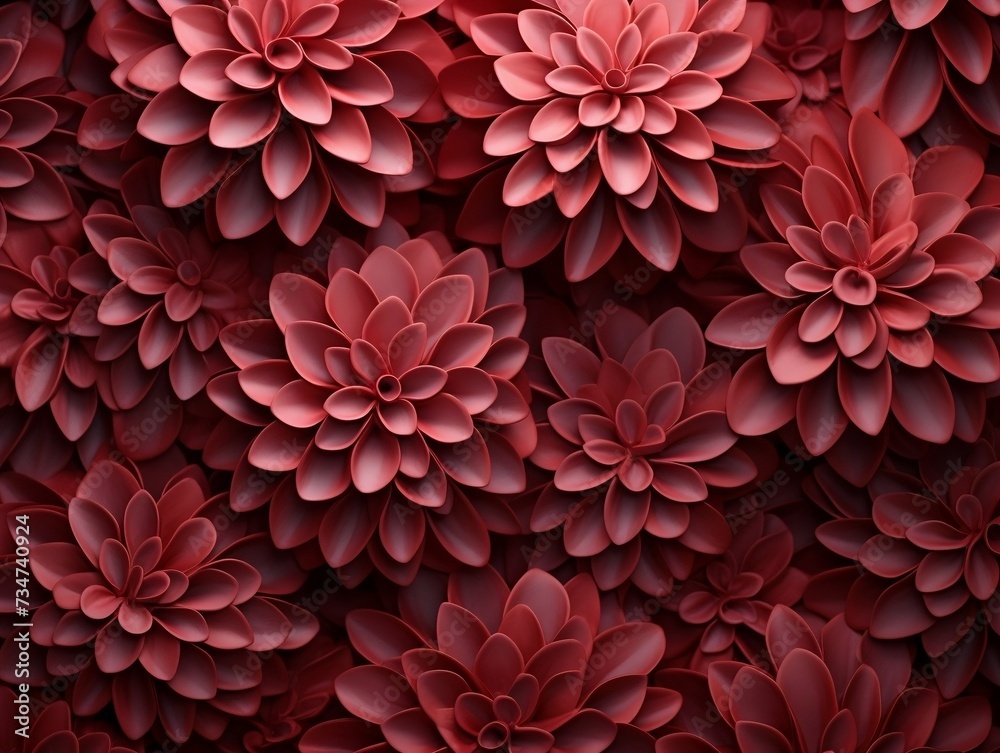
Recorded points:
(532, 376)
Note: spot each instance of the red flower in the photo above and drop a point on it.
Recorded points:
(614, 111)
(287, 106)
(530, 668)
(635, 446)
(723, 609)
(160, 604)
(931, 560)
(908, 60)
(396, 376)
(30, 188)
(177, 290)
(829, 691)
(47, 336)
(877, 300)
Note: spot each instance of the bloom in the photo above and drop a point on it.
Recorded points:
(635, 443)
(520, 667)
(397, 378)
(876, 298)
(47, 336)
(614, 111)
(930, 557)
(723, 609)
(286, 106)
(161, 604)
(175, 290)
(828, 691)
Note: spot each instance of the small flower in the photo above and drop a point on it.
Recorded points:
(635, 444)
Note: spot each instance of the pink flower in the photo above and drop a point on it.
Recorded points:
(828, 690)
(161, 605)
(635, 445)
(288, 106)
(614, 112)
(877, 299)
(397, 378)
(529, 668)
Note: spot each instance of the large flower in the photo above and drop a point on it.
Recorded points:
(829, 691)
(158, 607)
(635, 445)
(614, 111)
(286, 105)
(174, 290)
(396, 378)
(931, 560)
(912, 60)
(532, 668)
(877, 299)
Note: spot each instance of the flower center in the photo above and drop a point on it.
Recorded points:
(388, 387)
(615, 80)
(63, 290)
(283, 54)
(494, 735)
(854, 286)
(189, 272)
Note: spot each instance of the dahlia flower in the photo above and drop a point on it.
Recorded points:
(52, 729)
(908, 60)
(47, 336)
(380, 391)
(29, 59)
(599, 121)
(525, 668)
(805, 42)
(877, 300)
(635, 443)
(722, 610)
(930, 559)
(288, 106)
(158, 608)
(828, 691)
(172, 292)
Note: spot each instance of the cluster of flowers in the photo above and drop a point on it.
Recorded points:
(533, 376)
